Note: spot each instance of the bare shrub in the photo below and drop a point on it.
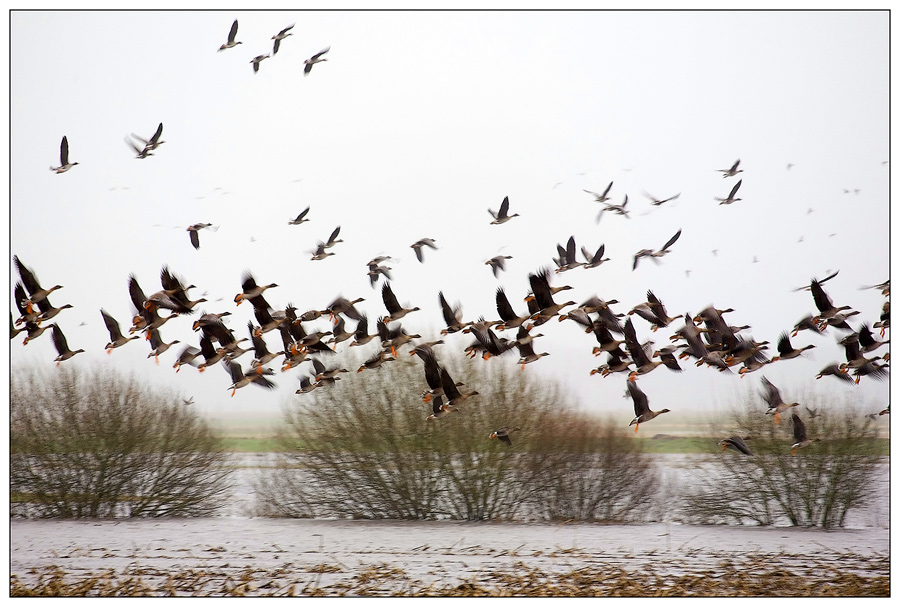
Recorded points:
(362, 448)
(816, 487)
(91, 444)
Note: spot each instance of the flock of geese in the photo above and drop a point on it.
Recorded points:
(706, 339)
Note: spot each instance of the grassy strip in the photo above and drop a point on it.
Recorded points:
(754, 576)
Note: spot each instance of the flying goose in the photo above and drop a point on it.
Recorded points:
(64, 164)
(317, 58)
(231, 34)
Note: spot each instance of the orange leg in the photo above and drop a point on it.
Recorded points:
(636, 426)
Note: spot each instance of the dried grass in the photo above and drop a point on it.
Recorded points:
(756, 575)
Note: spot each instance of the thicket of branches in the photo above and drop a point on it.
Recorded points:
(816, 487)
(99, 444)
(363, 449)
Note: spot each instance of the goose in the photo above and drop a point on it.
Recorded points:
(375, 270)
(211, 355)
(800, 439)
(116, 339)
(306, 385)
(657, 202)
(158, 345)
(13, 329)
(422, 242)
(601, 197)
(256, 61)
(502, 215)
(657, 317)
(340, 333)
(786, 351)
(503, 433)
(317, 58)
(567, 260)
(543, 297)
(772, 396)
(333, 239)
(392, 339)
(527, 354)
(261, 352)
(361, 334)
(737, 443)
(867, 341)
(498, 263)
(454, 397)
(281, 36)
(140, 152)
(734, 170)
(323, 372)
(592, 261)
(250, 289)
(187, 357)
(452, 316)
(193, 232)
(642, 412)
(154, 141)
(231, 35)
(300, 218)
(731, 195)
(809, 286)
(837, 371)
(618, 209)
(509, 317)
(239, 379)
(64, 164)
(35, 292)
(639, 355)
(654, 255)
(806, 323)
(875, 370)
(62, 348)
(616, 362)
(27, 313)
(395, 310)
(177, 291)
(33, 331)
(48, 311)
(376, 361)
(437, 409)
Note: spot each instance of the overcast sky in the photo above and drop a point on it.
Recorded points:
(415, 125)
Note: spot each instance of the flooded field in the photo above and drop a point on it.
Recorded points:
(240, 555)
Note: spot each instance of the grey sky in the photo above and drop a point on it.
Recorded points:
(418, 123)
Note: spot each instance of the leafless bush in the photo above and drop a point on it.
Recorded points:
(91, 444)
(362, 448)
(816, 487)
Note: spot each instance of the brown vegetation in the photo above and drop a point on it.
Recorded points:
(94, 444)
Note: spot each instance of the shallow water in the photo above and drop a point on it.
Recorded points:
(279, 553)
